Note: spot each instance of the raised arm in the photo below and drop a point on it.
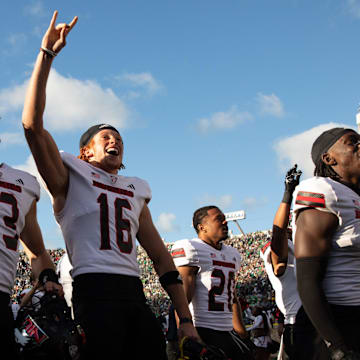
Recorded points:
(151, 241)
(42, 145)
(279, 241)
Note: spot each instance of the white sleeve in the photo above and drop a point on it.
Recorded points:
(316, 193)
(184, 254)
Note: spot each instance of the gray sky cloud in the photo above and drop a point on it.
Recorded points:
(71, 103)
(166, 223)
(270, 105)
(223, 120)
(296, 149)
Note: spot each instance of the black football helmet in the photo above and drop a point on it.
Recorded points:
(49, 332)
(193, 350)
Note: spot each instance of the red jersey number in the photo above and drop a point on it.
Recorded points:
(219, 289)
(11, 242)
(121, 224)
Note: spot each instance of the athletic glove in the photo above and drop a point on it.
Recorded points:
(193, 350)
(292, 179)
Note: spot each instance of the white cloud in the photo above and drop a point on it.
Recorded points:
(16, 40)
(353, 7)
(222, 202)
(144, 81)
(35, 8)
(30, 167)
(12, 99)
(296, 149)
(223, 120)
(250, 203)
(270, 105)
(165, 222)
(7, 138)
(71, 103)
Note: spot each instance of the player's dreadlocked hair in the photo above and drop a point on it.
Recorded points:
(200, 214)
(83, 156)
(324, 170)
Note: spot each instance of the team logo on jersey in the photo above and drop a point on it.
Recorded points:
(95, 175)
(131, 186)
(178, 253)
(212, 255)
(113, 179)
(310, 199)
(20, 181)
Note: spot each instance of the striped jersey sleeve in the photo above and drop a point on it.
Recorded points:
(315, 193)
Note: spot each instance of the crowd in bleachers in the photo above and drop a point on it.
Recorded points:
(252, 284)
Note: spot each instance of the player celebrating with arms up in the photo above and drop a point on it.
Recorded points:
(327, 241)
(101, 214)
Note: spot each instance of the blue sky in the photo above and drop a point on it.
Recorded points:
(214, 99)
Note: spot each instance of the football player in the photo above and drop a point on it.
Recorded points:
(101, 215)
(208, 269)
(19, 193)
(327, 241)
(300, 337)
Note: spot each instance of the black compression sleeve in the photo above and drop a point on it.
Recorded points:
(310, 273)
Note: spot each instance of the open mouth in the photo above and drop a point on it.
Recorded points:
(112, 151)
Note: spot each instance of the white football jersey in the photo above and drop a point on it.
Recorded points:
(286, 295)
(342, 279)
(100, 219)
(64, 271)
(211, 305)
(18, 190)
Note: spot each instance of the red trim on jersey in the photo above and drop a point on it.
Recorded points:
(357, 214)
(113, 189)
(310, 199)
(10, 186)
(224, 264)
(263, 249)
(178, 253)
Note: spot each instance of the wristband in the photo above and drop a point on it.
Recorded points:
(48, 275)
(49, 52)
(170, 277)
(287, 198)
(184, 320)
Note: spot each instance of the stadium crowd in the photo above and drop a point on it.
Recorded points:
(252, 283)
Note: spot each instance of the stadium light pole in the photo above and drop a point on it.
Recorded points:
(241, 230)
(234, 216)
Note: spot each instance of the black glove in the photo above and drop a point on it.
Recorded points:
(191, 349)
(292, 180)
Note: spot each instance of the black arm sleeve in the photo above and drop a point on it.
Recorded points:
(310, 273)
